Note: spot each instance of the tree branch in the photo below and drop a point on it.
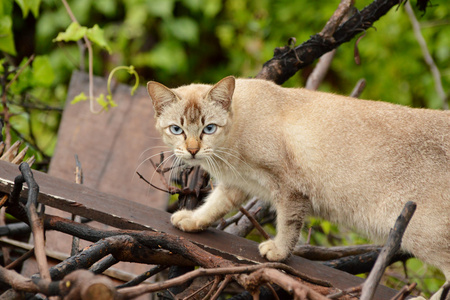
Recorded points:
(392, 246)
(286, 61)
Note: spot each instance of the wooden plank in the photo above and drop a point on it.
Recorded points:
(120, 213)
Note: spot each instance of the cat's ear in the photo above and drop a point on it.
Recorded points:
(160, 95)
(222, 92)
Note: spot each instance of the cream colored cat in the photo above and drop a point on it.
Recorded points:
(354, 162)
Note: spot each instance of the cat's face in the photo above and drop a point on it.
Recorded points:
(193, 120)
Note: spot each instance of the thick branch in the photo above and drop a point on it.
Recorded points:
(286, 61)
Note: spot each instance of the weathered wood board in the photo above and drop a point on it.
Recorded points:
(120, 213)
(110, 144)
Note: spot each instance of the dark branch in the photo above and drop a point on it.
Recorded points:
(286, 61)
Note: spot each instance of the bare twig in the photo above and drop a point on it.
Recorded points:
(141, 278)
(17, 281)
(221, 287)
(78, 171)
(352, 290)
(319, 72)
(34, 220)
(11, 151)
(427, 56)
(392, 246)
(255, 223)
(243, 226)
(237, 216)
(336, 19)
(321, 69)
(405, 291)
(358, 89)
(79, 180)
(20, 260)
(328, 253)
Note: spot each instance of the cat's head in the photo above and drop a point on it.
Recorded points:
(194, 119)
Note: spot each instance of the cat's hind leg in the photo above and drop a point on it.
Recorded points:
(221, 201)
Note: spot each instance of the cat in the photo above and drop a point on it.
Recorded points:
(354, 162)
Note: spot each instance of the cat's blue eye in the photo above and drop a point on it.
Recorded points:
(210, 129)
(175, 129)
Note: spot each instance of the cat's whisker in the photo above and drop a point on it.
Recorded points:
(213, 166)
(151, 148)
(232, 168)
(145, 160)
(178, 163)
(235, 156)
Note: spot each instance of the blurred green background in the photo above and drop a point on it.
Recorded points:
(183, 41)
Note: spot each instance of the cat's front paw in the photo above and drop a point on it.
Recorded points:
(271, 251)
(184, 220)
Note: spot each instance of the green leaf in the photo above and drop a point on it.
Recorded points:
(73, 33)
(79, 98)
(212, 7)
(6, 7)
(111, 101)
(169, 56)
(184, 29)
(103, 103)
(161, 8)
(326, 227)
(97, 35)
(27, 5)
(43, 74)
(35, 7)
(6, 35)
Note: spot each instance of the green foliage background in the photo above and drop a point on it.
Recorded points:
(182, 41)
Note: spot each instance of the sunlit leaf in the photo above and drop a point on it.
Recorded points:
(27, 5)
(73, 33)
(80, 97)
(111, 101)
(103, 103)
(97, 35)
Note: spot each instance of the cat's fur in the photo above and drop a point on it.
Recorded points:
(354, 162)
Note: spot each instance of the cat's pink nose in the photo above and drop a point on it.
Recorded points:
(193, 151)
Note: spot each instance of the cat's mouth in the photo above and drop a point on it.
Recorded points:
(192, 160)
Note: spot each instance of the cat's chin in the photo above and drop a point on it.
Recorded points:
(193, 162)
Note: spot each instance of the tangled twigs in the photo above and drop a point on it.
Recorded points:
(260, 274)
(289, 284)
